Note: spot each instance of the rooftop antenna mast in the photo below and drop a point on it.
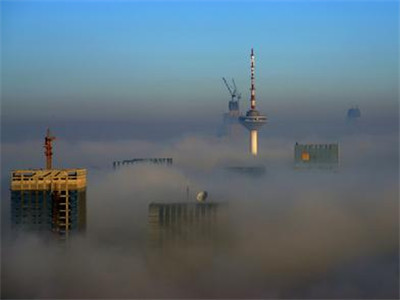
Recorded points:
(48, 149)
(252, 88)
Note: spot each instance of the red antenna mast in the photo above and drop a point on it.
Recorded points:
(48, 149)
(253, 88)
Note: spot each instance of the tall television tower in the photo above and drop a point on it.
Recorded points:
(253, 120)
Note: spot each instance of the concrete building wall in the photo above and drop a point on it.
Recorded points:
(171, 223)
(42, 211)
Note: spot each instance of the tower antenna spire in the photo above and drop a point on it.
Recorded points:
(253, 120)
(252, 88)
(48, 149)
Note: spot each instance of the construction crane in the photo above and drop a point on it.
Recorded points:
(235, 90)
(48, 149)
(235, 96)
(232, 90)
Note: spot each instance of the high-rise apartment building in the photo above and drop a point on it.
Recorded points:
(51, 200)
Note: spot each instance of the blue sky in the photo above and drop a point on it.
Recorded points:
(105, 60)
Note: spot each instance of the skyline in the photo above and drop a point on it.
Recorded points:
(133, 93)
(136, 60)
(294, 233)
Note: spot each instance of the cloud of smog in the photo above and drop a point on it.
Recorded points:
(290, 233)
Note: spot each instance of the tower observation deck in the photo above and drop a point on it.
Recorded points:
(253, 120)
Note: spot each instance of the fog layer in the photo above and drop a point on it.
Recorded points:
(290, 233)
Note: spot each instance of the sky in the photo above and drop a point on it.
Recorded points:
(163, 60)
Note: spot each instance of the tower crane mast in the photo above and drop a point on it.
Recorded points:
(229, 88)
(232, 90)
(48, 149)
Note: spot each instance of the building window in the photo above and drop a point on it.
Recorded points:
(305, 156)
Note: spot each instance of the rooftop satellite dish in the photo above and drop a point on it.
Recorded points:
(202, 196)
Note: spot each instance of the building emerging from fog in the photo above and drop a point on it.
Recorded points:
(155, 161)
(186, 237)
(188, 223)
(353, 114)
(48, 200)
(231, 125)
(319, 156)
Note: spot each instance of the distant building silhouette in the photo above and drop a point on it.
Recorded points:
(187, 223)
(353, 114)
(134, 161)
(231, 126)
(316, 156)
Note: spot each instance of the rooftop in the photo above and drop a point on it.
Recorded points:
(48, 179)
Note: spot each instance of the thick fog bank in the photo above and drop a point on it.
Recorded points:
(290, 233)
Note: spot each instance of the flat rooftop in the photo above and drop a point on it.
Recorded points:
(48, 179)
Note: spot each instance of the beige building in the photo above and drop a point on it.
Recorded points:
(51, 200)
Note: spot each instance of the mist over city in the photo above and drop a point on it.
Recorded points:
(167, 149)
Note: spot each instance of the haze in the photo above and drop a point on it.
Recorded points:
(128, 79)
